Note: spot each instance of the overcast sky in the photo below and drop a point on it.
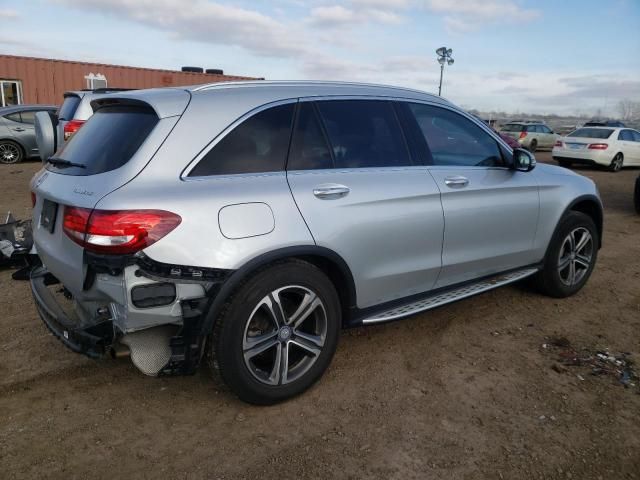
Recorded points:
(543, 56)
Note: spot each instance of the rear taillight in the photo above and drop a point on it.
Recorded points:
(559, 143)
(598, 146)
(71, 127)
(117, 232)
(523, 134)
(33, 199)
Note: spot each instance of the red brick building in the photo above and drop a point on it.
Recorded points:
(44, 80)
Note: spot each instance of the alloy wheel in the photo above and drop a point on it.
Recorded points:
(9, 153)
(616, 163)
(284, 335)
(575, 256)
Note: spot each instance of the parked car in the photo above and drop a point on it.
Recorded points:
(53, 130)
(605, 123)
(610, 147)
(530, 135)
(17, 136)
(247, 223)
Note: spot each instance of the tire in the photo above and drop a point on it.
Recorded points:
(259, 374)
(533, 146)
(636, 195)
(565, 163)
(617, 163)
(10, 152)
(556, 281)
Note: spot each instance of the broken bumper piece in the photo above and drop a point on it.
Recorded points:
(91, 340)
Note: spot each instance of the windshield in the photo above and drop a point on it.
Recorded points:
(591, 133)
(107, 141)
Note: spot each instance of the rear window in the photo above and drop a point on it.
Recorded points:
(591, 133)
(107, 141)
(512, 127)
(69, 107)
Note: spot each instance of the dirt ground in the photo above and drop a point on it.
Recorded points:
(466, 391)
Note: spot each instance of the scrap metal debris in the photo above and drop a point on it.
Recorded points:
(599, 362)
(16, 240)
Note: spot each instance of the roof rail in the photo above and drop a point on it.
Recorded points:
(107, 89)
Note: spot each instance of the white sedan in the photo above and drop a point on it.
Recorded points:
(608, 146)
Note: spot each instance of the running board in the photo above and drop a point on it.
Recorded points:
(448, 296)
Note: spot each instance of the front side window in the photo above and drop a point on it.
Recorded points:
(636, 136)
(259, 144)
(364, 133)
(454, 140)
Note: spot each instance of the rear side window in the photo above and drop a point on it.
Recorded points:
(364, 133)
(592, 133)
(107, 141)
(625, 135)
(69, 107)
(14, 117)
(455, 140)
(28, 117)
(309, 148)
(636, 136)
(259, 144)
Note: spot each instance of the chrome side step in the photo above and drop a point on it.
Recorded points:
(448, 296)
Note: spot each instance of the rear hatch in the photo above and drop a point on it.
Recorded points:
(113, 146)
(513, 130)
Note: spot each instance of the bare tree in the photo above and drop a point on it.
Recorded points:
(628, 109)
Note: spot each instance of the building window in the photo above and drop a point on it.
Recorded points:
(11, 92)
(96, 80)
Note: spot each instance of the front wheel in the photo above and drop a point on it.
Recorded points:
(278, 333)
(571, 256)
(617, 163)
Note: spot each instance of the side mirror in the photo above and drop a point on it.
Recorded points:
(523, 160)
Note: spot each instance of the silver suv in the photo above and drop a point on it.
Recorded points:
(531, 135)
(246, 223)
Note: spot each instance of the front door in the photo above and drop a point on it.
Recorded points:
(363, 196)
(490, 211)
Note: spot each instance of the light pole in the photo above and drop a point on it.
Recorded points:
(444, 56)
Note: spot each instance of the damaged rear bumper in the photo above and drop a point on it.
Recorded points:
(91, 340)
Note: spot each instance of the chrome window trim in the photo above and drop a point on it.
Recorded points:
(184, 176)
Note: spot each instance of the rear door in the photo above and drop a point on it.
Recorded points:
(490, 211)
(22, 131)
(364, 196)
(636, 146)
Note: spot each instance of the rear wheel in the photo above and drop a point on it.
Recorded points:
(617, 163)
(571, 256)
(565, 163)
(533, 146)
(10, 152)
(278, 333)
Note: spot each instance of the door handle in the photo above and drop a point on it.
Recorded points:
(456, 181)
(18, 129)
(330, 191)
